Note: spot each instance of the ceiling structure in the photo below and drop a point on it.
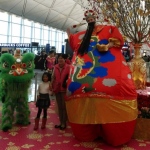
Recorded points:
(59, 14)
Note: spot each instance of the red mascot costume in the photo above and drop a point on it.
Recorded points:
(101, 96)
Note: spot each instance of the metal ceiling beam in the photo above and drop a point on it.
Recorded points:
(49, 10)
(24, 8)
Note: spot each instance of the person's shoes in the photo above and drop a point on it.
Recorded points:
(57, 126)
(62, 128)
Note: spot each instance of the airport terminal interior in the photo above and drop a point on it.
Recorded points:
(107, 89)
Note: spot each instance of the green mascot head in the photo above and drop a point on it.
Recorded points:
(17, 69)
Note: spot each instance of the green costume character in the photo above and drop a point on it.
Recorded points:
(15, 79)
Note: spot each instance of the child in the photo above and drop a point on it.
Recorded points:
(43, 100)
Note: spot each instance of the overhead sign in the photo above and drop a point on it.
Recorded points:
(14, 44)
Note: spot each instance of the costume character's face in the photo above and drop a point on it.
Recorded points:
(90, 19)
(17, 69)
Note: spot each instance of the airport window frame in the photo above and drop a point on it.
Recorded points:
(52, 39)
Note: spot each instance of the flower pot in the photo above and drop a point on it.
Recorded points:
(142, 129)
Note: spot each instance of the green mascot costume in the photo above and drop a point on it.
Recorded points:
(15, 79)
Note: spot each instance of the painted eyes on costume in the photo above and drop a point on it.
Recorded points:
(5, 65)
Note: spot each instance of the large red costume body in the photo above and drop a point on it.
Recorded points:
(101, 96)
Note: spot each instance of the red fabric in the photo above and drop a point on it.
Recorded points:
(59, 77)
(118, 133)
(86, 132)
(114, 134)
(116, 69)
(105, 74)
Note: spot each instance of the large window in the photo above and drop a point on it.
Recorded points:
(15, 29)
(27, 22)
(3, 38)
(27, 31)
(4, 16)
(16, 19)
(45, 35)
(26, 40)
(4, 27)
(37, 33)
(15, 40)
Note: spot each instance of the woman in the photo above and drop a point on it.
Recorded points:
(60, 72)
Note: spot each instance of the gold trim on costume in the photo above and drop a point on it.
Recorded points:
(115, 41)
(102, 47)
(101, 110)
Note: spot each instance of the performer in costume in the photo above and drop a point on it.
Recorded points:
(101, 96)
(15, 78)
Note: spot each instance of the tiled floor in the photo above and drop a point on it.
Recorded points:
(34, 85)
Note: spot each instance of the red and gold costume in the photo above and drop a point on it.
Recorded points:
(101, 96)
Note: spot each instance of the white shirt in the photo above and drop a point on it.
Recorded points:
(43, 88)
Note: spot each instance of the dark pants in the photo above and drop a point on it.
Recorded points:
(61, 107)
(40, 111)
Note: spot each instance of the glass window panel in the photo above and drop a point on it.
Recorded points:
(37, 33)
(59, 47)
(4, 16)
(45, 36)
(52, 43)
(15, 40)
(26, 40)
(36, 40)
(4, 26)
(15, 29)
(27, 22)
(53, 37)
(60, 37)
(53, 29)
(45, 42)
(50, 35)
(37, 25)
(16, 19)
(46, 28)
(27, 31)
(33, 33)
(66, 36)
(3, 39)
(57, 36)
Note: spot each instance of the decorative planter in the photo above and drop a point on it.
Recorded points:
(142, 129)
(138, 68)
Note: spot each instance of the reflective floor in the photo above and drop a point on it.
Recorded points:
(34, 85)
